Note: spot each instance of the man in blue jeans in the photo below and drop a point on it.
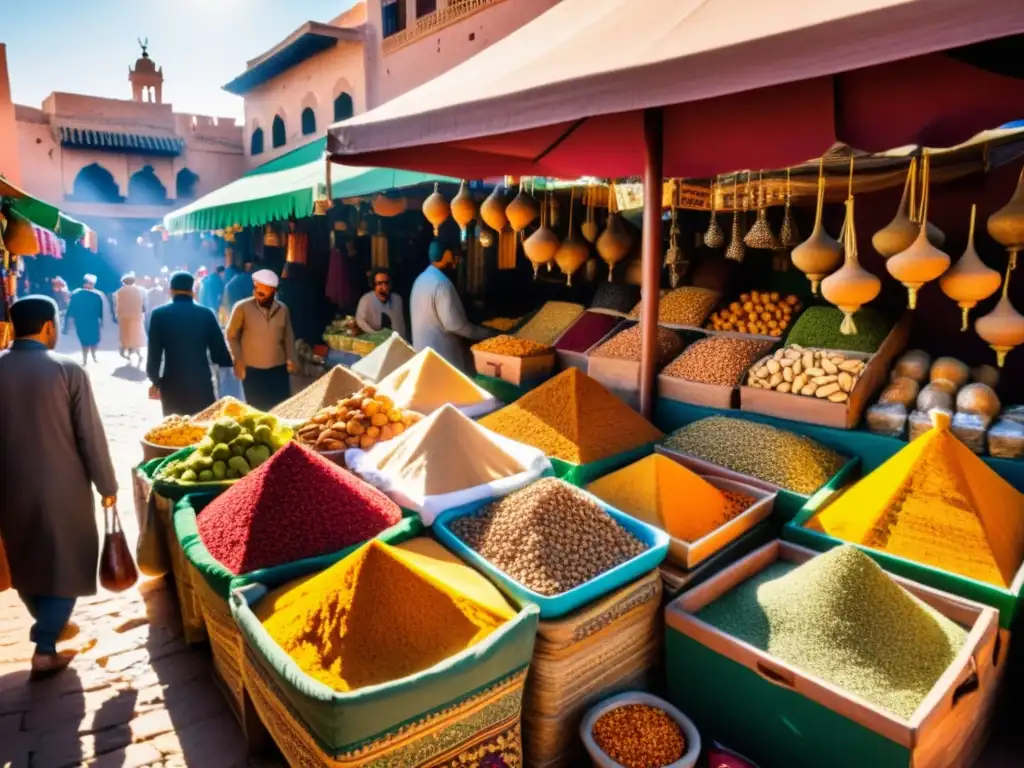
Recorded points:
(53, 452)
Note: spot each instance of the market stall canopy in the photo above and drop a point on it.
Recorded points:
(42, 213)
(744, 85)
(286, 187)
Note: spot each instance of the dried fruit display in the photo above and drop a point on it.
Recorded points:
(360, 421)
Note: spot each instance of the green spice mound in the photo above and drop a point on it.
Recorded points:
(841, 618)
(819, 327)
(768, 453)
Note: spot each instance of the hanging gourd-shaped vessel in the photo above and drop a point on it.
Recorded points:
(789, 236)
(714, 237)
(522, 210)
(898, 234)
(614, 243)
(492, 210)
(935, 235)
(760, 235)
(573, 252)
(969, 281)
(589, 228)
(436, 209)
(736, 250)
(387, 206)
(463, 207)
(922, 262)
(819, 255)
(851, 286)
(541, 246)
(1006, 226)
(1003, 327)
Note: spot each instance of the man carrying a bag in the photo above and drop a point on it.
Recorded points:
(51, 428)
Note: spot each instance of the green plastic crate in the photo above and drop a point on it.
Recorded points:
(1006, 601)
(501, 389)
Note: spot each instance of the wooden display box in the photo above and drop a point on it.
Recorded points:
(676, 579)
(785, 718)
(520, 371)
(813, 410)
(697, 392)
(620, 376)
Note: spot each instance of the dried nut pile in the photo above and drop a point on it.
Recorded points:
(760, 312)
(510, 346)
(549, 537)
(503, 324)
(176, 432)
(360, 421)
(761, 451)
(720, 360)
(626, 345)
(550, 322)
(824, 374)
(639, 736)
(684, 306)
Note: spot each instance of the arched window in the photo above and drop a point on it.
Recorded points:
(256, 147)
(308, 121)
(343, 108)
(95, 184)
(144, 188)
(185, 184)
(278, 134)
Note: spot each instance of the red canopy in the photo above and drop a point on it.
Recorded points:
(744, 85)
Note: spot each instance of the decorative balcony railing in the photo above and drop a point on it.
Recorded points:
(451, 12)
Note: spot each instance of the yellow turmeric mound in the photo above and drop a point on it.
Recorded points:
(381, 614)
(573, 418)
(427, 382)
(938, 504)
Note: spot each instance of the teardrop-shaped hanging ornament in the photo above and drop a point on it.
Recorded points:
(614, 243)
(1006, 226)
(436, 209)
(541, 246)
(969, 281)
(1003, 327)
(760, 235)
(789, 235)
(573, 252)
(736, 250)
(463, 207)
(589, 229)
(819, 255)
(522, 210)
(901, 232)
(714, 237)
(492, 210)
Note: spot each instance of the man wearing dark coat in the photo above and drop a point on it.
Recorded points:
(85, 311)
(53, 452)
(183, 338)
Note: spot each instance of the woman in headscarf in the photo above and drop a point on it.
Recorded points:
(85, 311)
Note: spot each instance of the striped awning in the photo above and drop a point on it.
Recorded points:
(117, 141)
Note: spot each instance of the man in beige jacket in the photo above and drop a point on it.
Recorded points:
(263, 343)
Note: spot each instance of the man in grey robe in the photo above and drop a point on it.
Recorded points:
(53, 452)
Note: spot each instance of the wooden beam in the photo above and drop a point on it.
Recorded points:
(650, 286)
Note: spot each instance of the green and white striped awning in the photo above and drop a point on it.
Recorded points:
(117, 141)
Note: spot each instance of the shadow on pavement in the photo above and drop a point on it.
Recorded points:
(39, 722)
(130, 373)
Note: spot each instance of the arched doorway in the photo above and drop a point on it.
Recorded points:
(308, 121)
(256, 145)
(95, 184)
(144, 188)
(343, 107)
(185, 184)
(278, 134)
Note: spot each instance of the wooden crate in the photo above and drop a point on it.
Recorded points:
(580, 360)
(515, 370)
(813, 410)
(782, 716)
(697, 392)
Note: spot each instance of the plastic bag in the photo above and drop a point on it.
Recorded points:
(365, 463)
(969, 429)
(117, 569)
(1006, 439)
(151, 552)
(889, 419)
(920, 422)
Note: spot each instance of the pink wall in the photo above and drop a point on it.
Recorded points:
(9, 162)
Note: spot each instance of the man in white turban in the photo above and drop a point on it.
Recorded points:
(263, 343)
(85, 313)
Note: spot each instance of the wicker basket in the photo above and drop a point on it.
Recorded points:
(192, 623)
(225, 641)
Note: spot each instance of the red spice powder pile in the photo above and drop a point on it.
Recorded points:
(295, 505)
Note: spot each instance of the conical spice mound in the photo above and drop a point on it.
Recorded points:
(428, 381)
(936, 503)
(388, 356)
(337, 384)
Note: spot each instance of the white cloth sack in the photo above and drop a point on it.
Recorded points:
(364, 464)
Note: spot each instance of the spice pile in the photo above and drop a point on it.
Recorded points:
(586, 332)
(760, 312)
(767, 453)
(176, 432)
(386, 358)
(378, 615)
(226, 406)
(230, 450)
(808, 372)
(296, 505)
(841, 618)
(445, 452)
(573, 418)
(618, 298)
(639, 736)
(549, 537)
(550, 322)
(336, 384)
(683, 306)
(819, 327)
(720, 360)
(935, 503)
(428, 381)
(360, 421)
(503, 324)
(669, 496)
(625, 345)
(511, 346)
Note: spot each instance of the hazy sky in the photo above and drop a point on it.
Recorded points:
(86, 46)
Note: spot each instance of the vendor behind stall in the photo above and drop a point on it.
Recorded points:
(438, 318)
(379, 308)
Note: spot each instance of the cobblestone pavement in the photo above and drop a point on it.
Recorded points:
(136, 695)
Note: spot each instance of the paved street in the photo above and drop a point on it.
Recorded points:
(136, 695)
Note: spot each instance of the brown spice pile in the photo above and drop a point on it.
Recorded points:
(335, 385)
(626, 345)
(717, 360)
(639, 736)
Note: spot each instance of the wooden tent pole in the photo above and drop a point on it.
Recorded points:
(650, 258)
